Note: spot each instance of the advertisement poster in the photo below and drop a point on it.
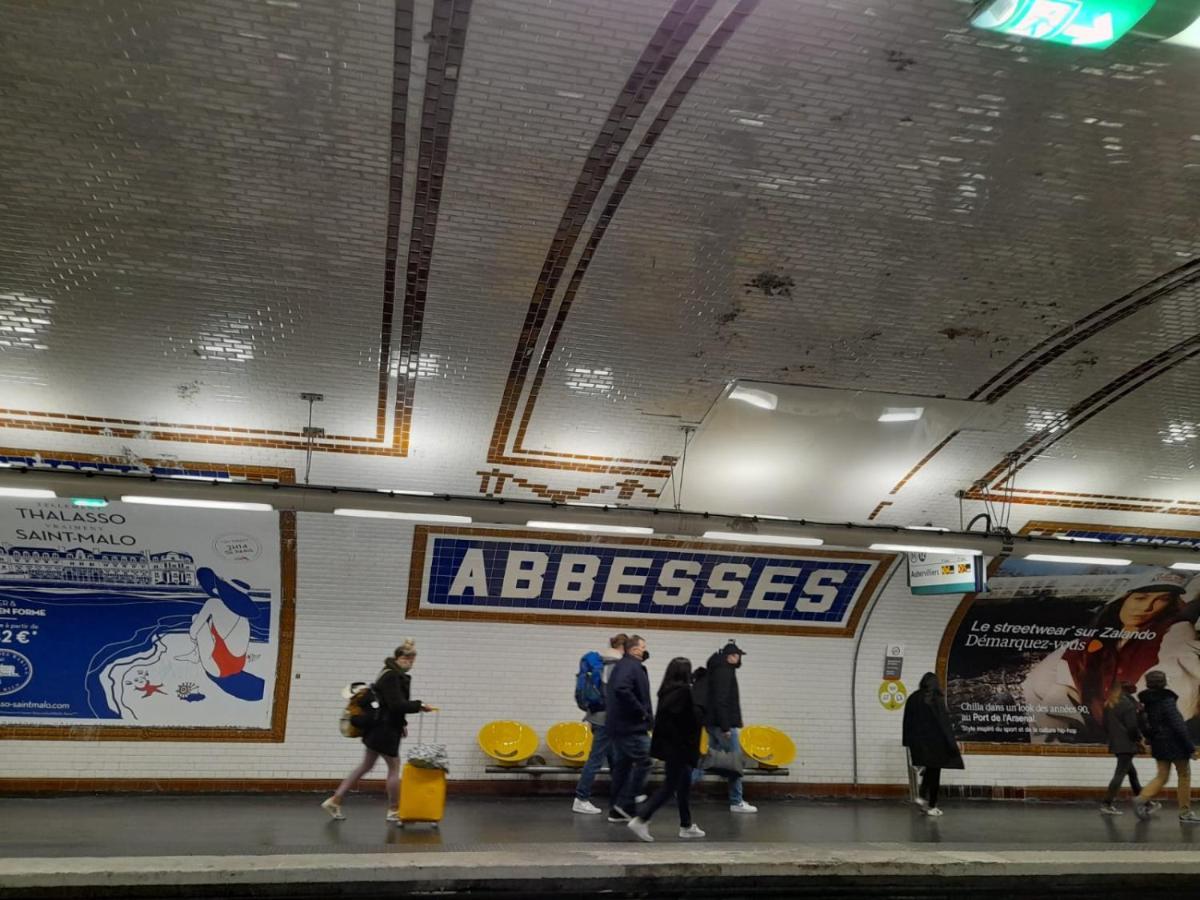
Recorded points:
(1032, 663)
(138, 616)
(568, 579)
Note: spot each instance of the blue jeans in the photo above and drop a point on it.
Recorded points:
(717, 739)
(601, 753)
(630, 768)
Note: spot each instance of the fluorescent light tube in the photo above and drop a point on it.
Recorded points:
(1078, 560)
(1082, 540)
(196, 504)
(782, 540)
(28, 493)
(600, 529)
(902, 414)
(761, 399)
(1186, 567)
(925, 528)
(915, 548)
(406, 493)
(403, 516)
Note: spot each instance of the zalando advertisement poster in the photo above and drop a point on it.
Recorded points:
(138, 616)
(570, 579)
(1031, 664)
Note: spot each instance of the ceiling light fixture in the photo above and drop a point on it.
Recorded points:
(406, 493)
(96, 502)
(902, 414)
(782, 540)
(27, 493)
(585, 526)
(196, 504)
(753, 396)
(1081, 540)
(925, 528)
(1078, 560)
(916, 548)
(1186, 567)
(402, 516)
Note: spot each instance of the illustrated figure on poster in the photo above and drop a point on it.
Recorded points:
(1152, 626)
(221, 634)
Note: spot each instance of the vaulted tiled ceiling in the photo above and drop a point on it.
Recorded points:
(516, 244)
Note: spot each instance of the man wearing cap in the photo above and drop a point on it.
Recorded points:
(723, 713)
(1150, 626)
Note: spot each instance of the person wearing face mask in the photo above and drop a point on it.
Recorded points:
(630, 716)
(723, 713)
(393, 688)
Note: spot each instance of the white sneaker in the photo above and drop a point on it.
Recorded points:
(392, 816)
(933, 811)
(742, 807)
(922, 803)
(641, 829)
(334, 809)
(586, 807)
(640, 799)
(692, 831)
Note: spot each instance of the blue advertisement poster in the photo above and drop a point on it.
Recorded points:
(142, 616)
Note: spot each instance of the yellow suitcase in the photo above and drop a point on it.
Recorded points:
(422, 795)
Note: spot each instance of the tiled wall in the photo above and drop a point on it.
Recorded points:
(353, 578)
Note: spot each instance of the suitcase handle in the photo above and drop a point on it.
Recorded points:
(421, 726)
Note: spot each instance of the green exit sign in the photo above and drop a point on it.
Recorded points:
(1081, 23)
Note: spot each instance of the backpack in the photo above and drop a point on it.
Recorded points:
(361, 714)
(589, 683)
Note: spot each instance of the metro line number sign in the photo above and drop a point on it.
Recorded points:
(1080, 23)
(572, 579)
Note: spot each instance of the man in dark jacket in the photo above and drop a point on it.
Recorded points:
(723, 713)
(1170, 745)
(630, 715)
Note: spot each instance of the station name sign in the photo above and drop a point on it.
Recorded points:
(572, 579)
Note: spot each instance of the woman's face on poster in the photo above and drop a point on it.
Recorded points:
(1141, 607)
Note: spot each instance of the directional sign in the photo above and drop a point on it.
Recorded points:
(1080, 23)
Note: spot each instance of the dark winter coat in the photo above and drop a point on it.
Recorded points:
(1164, 725)
(722, 702)
(627, 699)
(927, 732)
(392, 687)
(676, 736)
(1121, 725)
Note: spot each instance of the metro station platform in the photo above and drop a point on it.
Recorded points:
(285, 846)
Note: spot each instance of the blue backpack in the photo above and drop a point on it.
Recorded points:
(589, 683)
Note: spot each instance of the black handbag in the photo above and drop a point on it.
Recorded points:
(723, 762)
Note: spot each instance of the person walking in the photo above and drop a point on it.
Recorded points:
(1170, 745)
(630, 715)
(1124, 738)
(676, 741)
(601, 751)
(723, 714)
(930, 740)
(382, 736)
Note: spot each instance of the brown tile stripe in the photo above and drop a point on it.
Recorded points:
(883, 504)
(625, 489)
(401, 67)
(287, 630)
(1097, 402)
(664, 47)
(250, 473)
(453, 22)
(447, 42)
(700, 64)
(1040, 356)
(921, 464)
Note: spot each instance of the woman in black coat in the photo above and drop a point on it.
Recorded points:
(676, 741)
(383, 732)
(930, 740)
(1124, 737)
